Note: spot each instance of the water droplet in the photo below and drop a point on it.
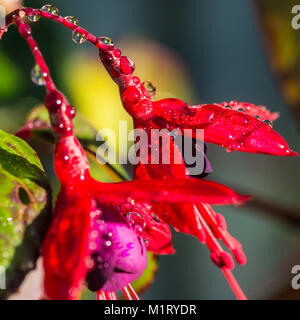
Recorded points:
(93, 246)
(117, 53)
(149, 86)
(136, 80)
(89, 263)
(108, 243)
(268, 123)
(94, 234)
(241, 110)
(130, 245)
(135, 218)
(73, 20)
(124, 253)
(36, 76)
(228, 107)
(106, 41)
(257, 117)
(137, 221)
(50, 9)
(127, 65)
(33, 18)
(78, 38)
(73, 292)
(138, 229)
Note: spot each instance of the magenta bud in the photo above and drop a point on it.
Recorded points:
(119, 255)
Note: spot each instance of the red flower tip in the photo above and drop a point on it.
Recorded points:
(291, 153)
(239, 256)
(265, 140)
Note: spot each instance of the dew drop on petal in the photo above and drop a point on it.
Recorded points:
(36, 76)
(149, 86)
(241, 110)
(93, 246)
(108, 243)
(51, 9)
(78, 38)
(228, 107)
(106, 41)
(127, 65)
(130, 245)
(138, 229)
(72, 19)
(268, 123)
(33, 18)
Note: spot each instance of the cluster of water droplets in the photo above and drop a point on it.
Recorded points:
(77, 37)
(267, 122)
(137, 222)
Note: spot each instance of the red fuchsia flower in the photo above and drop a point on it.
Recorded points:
(98, 229)
(236, 126)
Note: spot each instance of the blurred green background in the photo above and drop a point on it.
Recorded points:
(199, 51)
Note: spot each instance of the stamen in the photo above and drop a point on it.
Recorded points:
(110, 295)
(234, 284)
(221, 258)
(132, 291)
(218, 225)
(127, 293)
(101, 295)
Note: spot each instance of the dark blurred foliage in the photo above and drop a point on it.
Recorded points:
(221, 49)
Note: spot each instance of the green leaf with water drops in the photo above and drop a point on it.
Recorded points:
(145, 281)
(25, 209)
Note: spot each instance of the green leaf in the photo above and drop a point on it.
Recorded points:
(25, 209)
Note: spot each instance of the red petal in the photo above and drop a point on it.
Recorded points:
(168, 191)
(235, 130)
(158, 235)
(182, 218)
(65, 250)
(261, 111)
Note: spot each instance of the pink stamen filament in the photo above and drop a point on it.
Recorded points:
(127, 293)
(101, 295)
(132, 291)
(215, 247)
(234, 284)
